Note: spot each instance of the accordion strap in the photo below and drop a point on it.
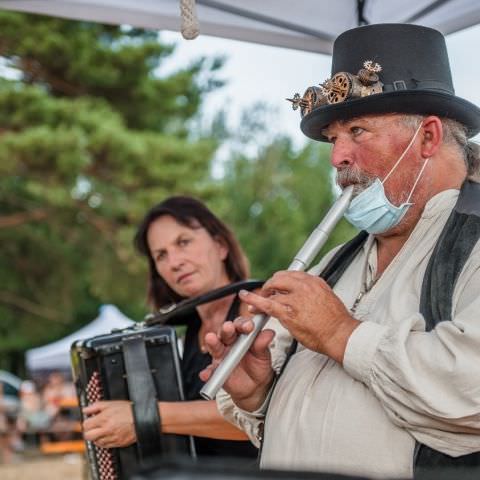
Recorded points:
(144, 399)
(173, 314)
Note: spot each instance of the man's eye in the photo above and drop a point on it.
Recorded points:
(356, 131)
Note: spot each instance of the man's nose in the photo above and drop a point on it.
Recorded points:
(342, 155)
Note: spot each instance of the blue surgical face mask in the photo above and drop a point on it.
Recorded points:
(372, 211)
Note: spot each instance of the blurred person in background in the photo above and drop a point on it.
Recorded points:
(190, 252)
(33, 418)
(5, 432)
(55, 391)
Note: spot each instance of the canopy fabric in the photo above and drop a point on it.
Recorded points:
(56, 355)
(309, 25)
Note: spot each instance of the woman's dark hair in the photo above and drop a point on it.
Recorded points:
(192, 213)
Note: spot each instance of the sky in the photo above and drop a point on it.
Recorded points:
(257, 73)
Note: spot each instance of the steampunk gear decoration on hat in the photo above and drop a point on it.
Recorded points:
(342, 86)
(339, 87)
(312, 98)
(296, 100)
(368, 74)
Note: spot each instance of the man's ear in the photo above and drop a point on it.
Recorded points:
(432, 136)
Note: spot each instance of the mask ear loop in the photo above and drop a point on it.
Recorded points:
(418, 179)
(403, 154)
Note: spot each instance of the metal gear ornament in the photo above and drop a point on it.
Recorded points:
(341, 87)
(368, 75)
(312, 98)
(338, 88)
(296, 99)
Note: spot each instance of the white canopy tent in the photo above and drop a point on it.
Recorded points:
(56, 355)
(309, 25)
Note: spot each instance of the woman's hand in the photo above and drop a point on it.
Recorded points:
(110, 424)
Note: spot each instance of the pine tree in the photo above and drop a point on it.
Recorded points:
(90, 138)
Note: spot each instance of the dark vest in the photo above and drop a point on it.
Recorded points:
(451, 252)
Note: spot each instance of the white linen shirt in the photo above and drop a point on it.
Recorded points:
(398, 383)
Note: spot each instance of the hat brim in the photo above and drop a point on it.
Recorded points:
(421, 102)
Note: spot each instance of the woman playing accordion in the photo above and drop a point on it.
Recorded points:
(190, 252)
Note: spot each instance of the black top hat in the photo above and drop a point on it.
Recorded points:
(386, 68)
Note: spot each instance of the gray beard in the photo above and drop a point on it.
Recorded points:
(352, 176)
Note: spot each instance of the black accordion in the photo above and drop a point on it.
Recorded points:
(140, 364)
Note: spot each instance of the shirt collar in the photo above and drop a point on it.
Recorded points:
(440, 202)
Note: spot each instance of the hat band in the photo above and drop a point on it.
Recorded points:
(413, 84)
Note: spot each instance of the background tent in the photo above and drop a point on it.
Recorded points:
(56, 355)
(304, 24)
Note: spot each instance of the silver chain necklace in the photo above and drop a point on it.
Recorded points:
(366, 287)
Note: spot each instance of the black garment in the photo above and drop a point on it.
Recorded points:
(454, 247)
(193, 362)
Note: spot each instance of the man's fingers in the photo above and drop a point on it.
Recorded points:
(260, 346)
(206, 373)
(227, 333)
(286, 280)
(214, 346)
(266, 305)
(217, 344)
(243, 325)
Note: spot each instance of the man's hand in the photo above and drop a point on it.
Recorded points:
(250, 381)
(308, 308)
(110, 424)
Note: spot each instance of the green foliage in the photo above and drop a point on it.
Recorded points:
(76, 184)
(276, 199)
(90, 138)
(76, 59)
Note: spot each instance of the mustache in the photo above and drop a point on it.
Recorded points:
(353, 176)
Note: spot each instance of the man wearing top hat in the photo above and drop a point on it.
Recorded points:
(385, 377)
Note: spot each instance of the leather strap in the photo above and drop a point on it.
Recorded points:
(455, 244)
(144, 399)
(342, 259)
(413, 84)
(175, 313)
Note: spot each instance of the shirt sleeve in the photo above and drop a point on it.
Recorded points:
(427, 382)
(250, 422)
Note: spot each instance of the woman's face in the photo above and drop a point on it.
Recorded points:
(188, 259)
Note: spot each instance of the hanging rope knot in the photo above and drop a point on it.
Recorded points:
(190, 27)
